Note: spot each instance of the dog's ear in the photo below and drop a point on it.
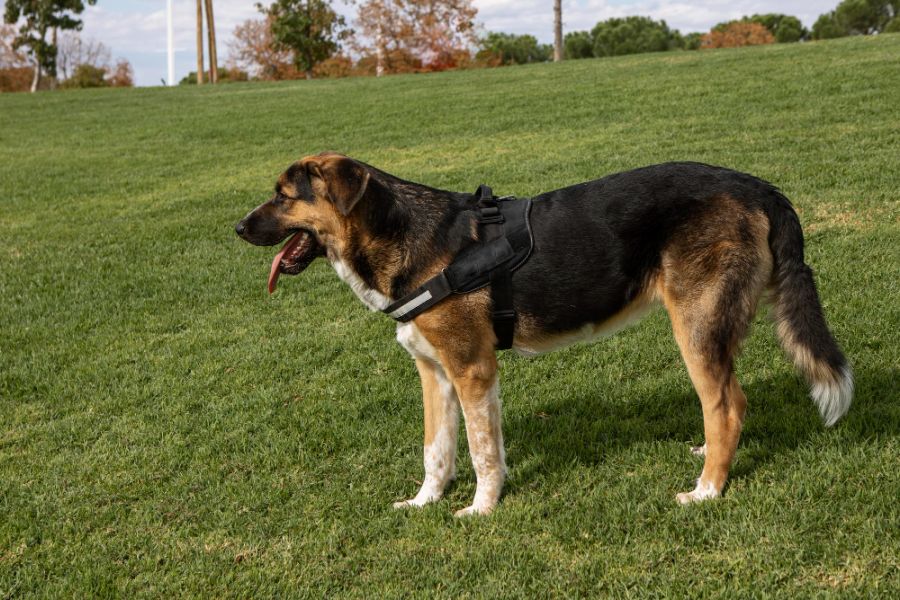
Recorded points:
(345, 179)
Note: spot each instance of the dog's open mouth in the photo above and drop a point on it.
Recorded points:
(296, 254)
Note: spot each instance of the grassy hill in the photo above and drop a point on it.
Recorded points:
(168, 429)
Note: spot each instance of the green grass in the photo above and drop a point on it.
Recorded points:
(168, 429)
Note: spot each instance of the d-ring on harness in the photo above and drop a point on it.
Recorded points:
(504, 244)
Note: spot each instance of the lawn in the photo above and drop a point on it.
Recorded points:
(168, 429)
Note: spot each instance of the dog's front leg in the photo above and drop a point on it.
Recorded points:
(441, 424)
(478, 392)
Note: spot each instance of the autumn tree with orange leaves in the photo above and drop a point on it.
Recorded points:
(15, 70)
(407, 35)
(738, 34)
(253, 49)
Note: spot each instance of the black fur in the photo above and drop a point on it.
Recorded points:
(597, 243)
(797, 301)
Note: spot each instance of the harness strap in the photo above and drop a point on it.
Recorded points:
(421, 299)
(503, 246)
(504, 316)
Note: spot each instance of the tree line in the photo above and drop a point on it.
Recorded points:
(40, 49)
(296, 38)
(307, 38)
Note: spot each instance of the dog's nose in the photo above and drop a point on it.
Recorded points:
(239, 228)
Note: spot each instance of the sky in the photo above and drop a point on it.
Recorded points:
(136, 29)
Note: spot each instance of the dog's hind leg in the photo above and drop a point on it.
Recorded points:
(710, 366)
(711, 281)
(724, 405)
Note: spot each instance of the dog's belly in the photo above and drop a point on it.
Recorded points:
(531, 340)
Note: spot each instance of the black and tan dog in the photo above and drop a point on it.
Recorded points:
(705, 242)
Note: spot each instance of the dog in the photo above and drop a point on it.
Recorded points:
(707, 243)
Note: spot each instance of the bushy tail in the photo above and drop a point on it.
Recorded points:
(800, 323)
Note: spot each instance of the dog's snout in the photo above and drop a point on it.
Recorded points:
(240, 228)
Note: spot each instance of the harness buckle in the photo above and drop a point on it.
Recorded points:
(505, 315)
(490, 214)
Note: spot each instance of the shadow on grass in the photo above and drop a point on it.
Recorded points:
(780, 417)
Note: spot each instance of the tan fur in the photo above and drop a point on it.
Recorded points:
(816, 369)
(531, 339)
(692, 285)
(471, 364)
(722, 259)
(430, 391)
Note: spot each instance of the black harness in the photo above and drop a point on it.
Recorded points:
(504, 244)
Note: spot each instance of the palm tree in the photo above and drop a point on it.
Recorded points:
(211, 30)
(199, 41)
(557, 31)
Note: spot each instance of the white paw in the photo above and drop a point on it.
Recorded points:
(703, 491)
(426, 495)
(699, 450)
(416, 502)
(473, 510)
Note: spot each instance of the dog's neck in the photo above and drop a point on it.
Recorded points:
(404, 233)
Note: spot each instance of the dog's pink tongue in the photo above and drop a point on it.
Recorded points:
(275, 271)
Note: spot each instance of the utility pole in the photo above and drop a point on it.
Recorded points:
(211, 30)
(199, 42)
(557, 31)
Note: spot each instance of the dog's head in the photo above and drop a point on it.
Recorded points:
(313, 202)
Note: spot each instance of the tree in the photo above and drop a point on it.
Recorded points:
(252, 48)
(557, 31)
(827, 27)
(438, 33)
(736, 34)
(865, 17)
(226, 75)
(198, 74)
(122, 75)
(394, 60)
(856, 17)
(15, 74)
(337, 66)
(211, 33)
(579, 44)
(86, 76)
(510, 49)
(310, 29)
(692, 41)
(40, 17)
(74, 51)
(784, 28)
(631, 35)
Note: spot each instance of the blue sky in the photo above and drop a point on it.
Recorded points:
(136, 29)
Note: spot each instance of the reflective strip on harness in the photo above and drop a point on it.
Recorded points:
(411, 305)
(505, 243)
(421, 299)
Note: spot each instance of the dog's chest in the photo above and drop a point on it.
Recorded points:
(374, 299)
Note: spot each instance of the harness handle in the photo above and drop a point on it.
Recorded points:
(503, 314)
